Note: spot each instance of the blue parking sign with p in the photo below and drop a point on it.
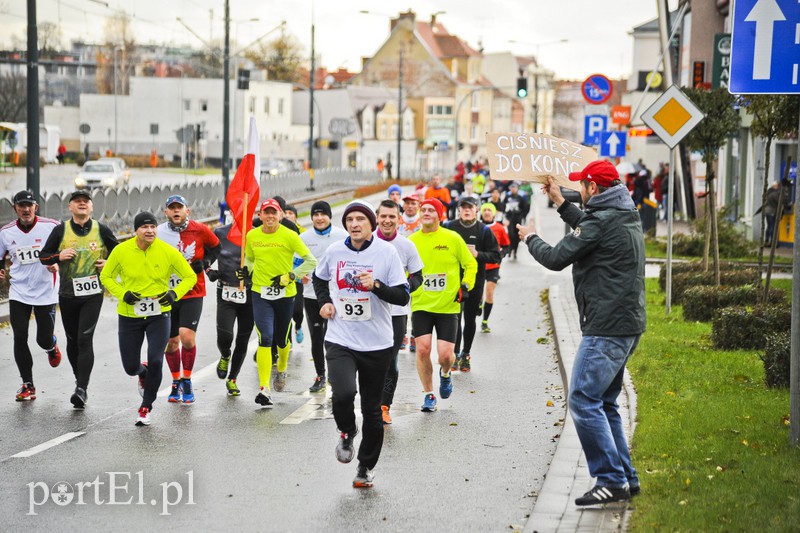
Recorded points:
(593, 126)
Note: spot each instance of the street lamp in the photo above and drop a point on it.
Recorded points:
(116, 147)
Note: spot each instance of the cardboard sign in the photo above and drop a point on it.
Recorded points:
(533, 156)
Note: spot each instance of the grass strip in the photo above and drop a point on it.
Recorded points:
(712, 442)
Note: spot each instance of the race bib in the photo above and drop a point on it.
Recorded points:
(355, 308)
(273, 293)
(234, 294)
(147, 307)
(174, 281)
(434, 282)
(28, 255)
(87, 285)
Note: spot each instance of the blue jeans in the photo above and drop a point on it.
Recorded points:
(595, 385)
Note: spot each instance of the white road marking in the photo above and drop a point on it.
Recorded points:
(49, 444)
(308, 410)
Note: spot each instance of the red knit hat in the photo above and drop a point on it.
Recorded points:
(436, 204)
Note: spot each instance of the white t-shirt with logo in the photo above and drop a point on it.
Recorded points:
(362, 321)
(318, 244)
(31, 282)
(409, 256)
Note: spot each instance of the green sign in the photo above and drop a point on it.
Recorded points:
(721, 74)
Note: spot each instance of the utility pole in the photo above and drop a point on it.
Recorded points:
(311, 81)
(399, 112)
(226, 103)
(32, 160)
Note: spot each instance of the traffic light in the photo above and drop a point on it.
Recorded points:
(243, 80)
(522, 87)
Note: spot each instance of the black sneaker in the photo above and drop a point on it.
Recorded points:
(634, 490)
(364, 477)
(345, 451)
(318, 385)
(78, 398)
(263, 399)
(599, 495)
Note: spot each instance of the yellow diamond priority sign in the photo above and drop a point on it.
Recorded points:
(672, 116)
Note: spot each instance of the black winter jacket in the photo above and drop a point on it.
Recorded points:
(606, 251)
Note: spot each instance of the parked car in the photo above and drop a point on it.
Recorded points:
(273, 167)
(97, 174)
(121, 164)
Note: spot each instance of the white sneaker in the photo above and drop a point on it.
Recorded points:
(144, 417)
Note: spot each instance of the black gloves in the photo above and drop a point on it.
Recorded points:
(168, 298)
(243, 274)
(213, 275)
(131, 298)
(463, 293)
(198, 266)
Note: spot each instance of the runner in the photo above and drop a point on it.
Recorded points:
(409, 223)
(488, 215)
(322, 235)
(268, 256)
(448, 275)
(80, 247)
(33, 287)
(297, 315)
(516, 210)
(368, 279)
(234, 305)
(200, 247)
(483, 246)
(395, 193)
(143, 265)
(388, 216)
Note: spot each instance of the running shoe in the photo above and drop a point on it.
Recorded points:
(345, 451)
(263, 399)
(412, 346)
(280, 382)
(175, 392)
(600, 494)
(635, 490)
(456, 364)
(141, 380)
(54, 354)
(485, 327)
(222, 367)
(233, 390)
(405, 343)
(364, 477)
(445, 385)
(144, 417)
(318, 385)
(299, 335)
(78, 398)
(465, 366)
(26, 392)
(429, 404)
(188, 393)
(387, 418)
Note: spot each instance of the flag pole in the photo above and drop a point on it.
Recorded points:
(244, 238)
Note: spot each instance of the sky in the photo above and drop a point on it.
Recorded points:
(597, 32)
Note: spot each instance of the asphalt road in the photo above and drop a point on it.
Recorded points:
(475, 465)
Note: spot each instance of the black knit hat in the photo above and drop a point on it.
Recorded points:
(321, 206)
(144, 218)
(361, 207)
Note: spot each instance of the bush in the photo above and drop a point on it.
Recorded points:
(142, 161)
(699, 303)
(696, 267)
(747, 328)
(777, 360)
(734, 277)
(732, 243)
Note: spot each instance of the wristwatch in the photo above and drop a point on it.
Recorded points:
(292, 276)
(376, 285)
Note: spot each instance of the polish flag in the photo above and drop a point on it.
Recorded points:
(243, 193)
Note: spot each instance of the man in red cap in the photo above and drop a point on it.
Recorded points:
(606, 251)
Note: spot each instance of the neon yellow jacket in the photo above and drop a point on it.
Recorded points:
(145, 272)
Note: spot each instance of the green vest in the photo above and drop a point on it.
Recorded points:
(88, 248)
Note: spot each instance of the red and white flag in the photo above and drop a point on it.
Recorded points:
(243, 193)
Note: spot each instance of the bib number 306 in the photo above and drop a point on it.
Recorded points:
(86, 285)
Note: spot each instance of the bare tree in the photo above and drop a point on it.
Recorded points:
(13, 97)
(119, 45)
(280, 58)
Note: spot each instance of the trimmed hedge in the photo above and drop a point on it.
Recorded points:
(699, 303)
(696, 267)
(732, 278)
(747, 328)
(777, 360)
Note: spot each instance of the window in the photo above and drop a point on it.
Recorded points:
(187, 105)
(474, 132)
(252, 106)
(280, 106)
(476, 97)
(203, 105)
(266, 105)
(394, 131)
(383, 131)
(448, 110)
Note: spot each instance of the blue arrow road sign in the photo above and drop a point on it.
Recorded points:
(612, 143)
(593, 126)
(765, 47)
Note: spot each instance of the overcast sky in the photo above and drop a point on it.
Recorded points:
(598, 31)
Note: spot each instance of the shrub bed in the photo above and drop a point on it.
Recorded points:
(735, 328)
(700, 302)
(777, 360)
(733, 278)
(693, 266)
